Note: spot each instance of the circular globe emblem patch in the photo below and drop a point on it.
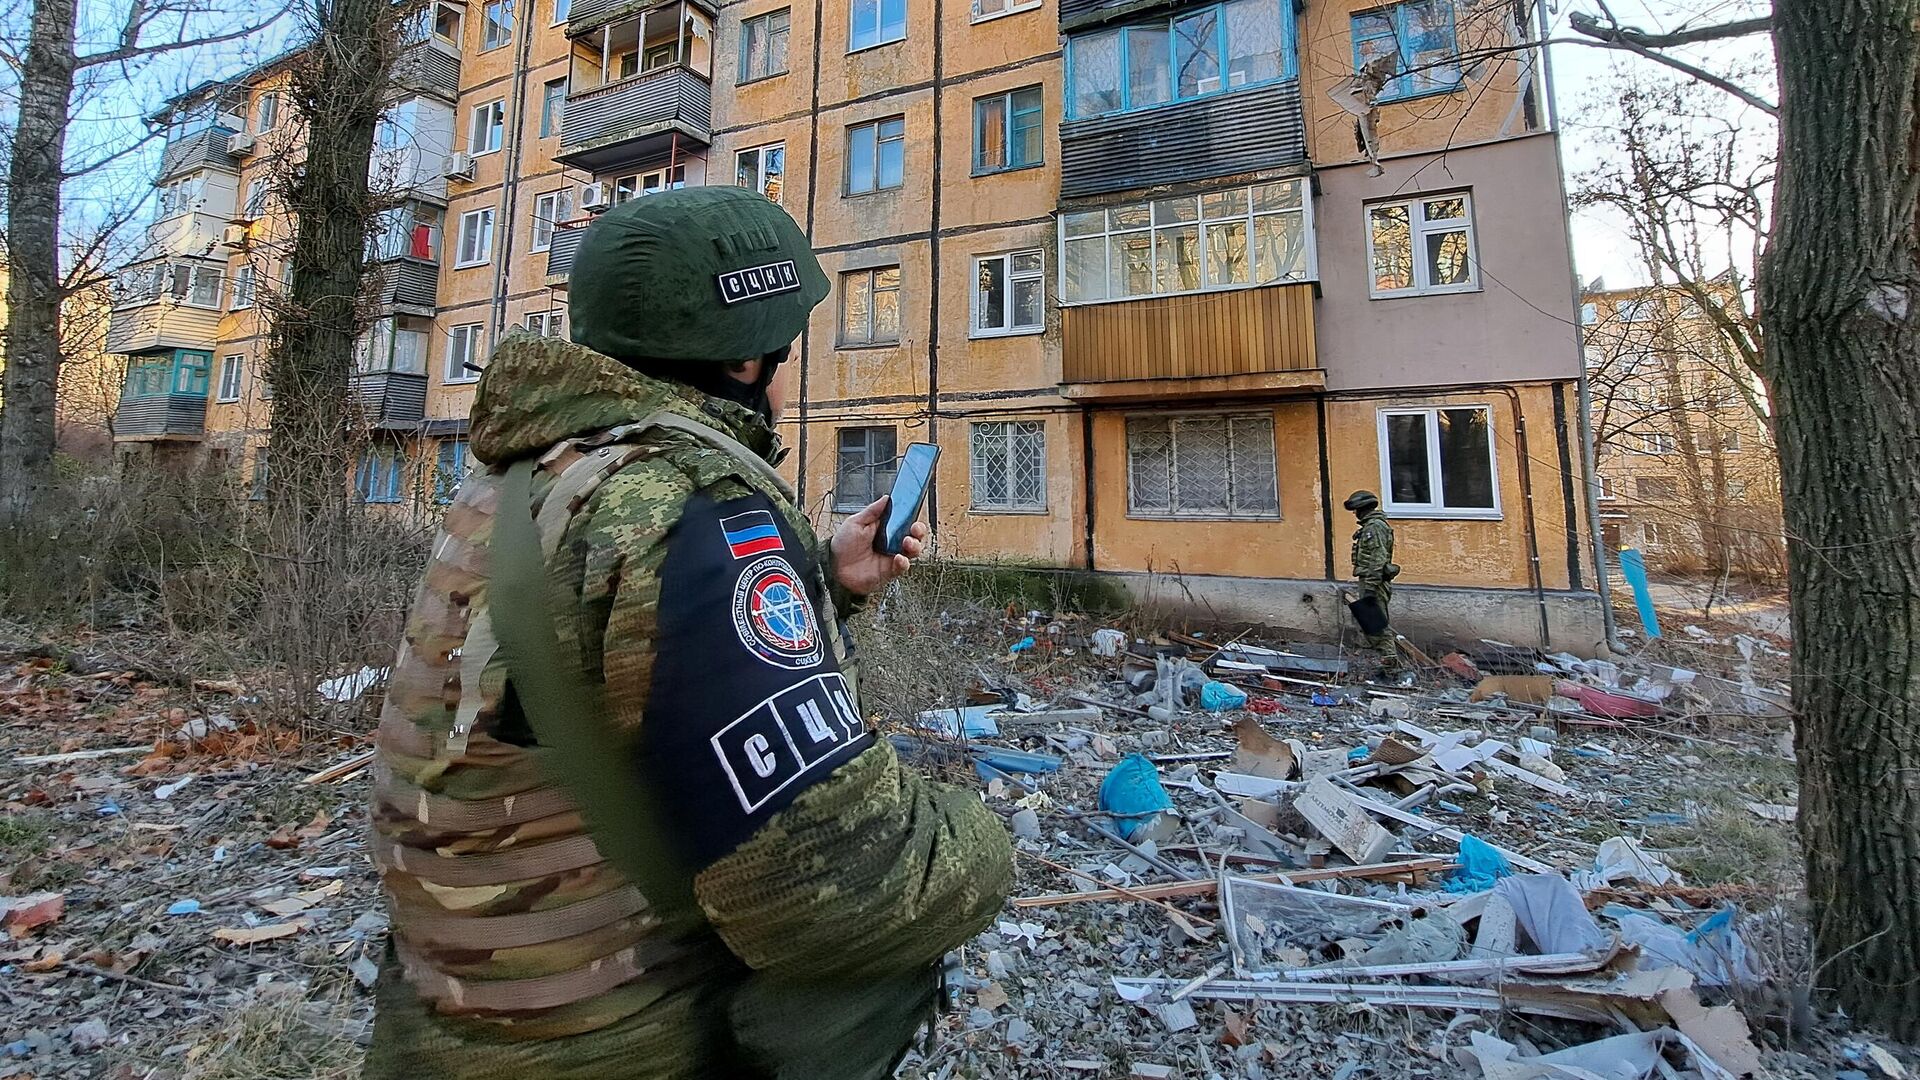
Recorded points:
(773, 616)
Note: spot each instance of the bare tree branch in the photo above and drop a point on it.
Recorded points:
(1617, 37)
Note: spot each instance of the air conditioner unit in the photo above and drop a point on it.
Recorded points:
(460, 166)
(234, 236)
(596, 196)
(240, 142)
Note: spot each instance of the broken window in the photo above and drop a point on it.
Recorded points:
(762, 169)
(1242, 236)
(1009, 466)
(870, 307)
(763, 45)
(1420, 38)
(1202, 467)
(1438, 462)
(866, 467)
(1422, 245)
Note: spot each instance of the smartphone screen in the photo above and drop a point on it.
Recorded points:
(909, 494)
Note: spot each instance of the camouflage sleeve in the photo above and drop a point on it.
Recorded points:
(870, 871)
(876, 871)
(1370, 555)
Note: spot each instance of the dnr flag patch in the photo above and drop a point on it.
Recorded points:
(751, 533)
(757, 282)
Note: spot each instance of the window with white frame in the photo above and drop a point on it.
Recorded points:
(1009, 466)
(1655, 488)
(243, 285)
(1421, 245)
(1736, 489)
(638, 184)
(1607, 488)
(1007, 130)
(1008, 295)
(870, 307)
(1232, 239)
(182, 195)
(548, 323)
(762, 169)
(202, 286)
(1653, 534)
(476, 238)
(1201, 467)
(1438, 462)
(1730, 442)
(864, 470)
(1658, 442)
(485, 125)
(991, 9)
(256, 202)
(876, 22)
(463, 349)
(763, 45)
(553, 107)
(876, 155)
(497, 26)
(1642, 309)
(448, 22)
(394, 344)
(232, 371)
(549, 210)
(266, 112)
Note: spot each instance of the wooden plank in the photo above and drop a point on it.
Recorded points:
(1208, 886)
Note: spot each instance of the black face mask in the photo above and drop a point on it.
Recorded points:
(716, 380)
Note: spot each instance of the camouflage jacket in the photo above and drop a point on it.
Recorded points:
(689, 585)
(1373, 549)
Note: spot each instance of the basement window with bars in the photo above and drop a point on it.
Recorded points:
(1009, 467)
(864, 471)
(1234, 239)
(1439, 462)
(1201, 467)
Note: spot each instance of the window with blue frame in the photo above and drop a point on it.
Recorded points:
(378, 480)
(1007, 131)
(182, 373)
(449, 468)
(1190, 55)
(876, 22)
(1419, 37)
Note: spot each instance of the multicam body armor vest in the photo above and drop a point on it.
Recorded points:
(504, 909)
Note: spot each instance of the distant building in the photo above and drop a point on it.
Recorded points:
(1687, 464)
(1164, 298)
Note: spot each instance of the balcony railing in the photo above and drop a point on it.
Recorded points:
(566, 244)
(161, 324)
(636, 118)
(1231, 134)
(407, 282)
(1234, 341)
(168, 416)
(429, 67)
(389, 400)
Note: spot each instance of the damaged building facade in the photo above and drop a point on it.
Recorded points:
(1165, 280)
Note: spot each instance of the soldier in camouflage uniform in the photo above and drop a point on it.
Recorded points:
(628, 816)
(1374, 567)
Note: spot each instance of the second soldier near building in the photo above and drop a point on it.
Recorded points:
(630, 821)
(1374, 568)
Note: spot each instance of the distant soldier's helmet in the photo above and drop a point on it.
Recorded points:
(1361, 501)
(698, 274)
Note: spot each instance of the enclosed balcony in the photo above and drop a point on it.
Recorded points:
(430, 65)
(640, 88)
(405, 251)
(160, 306)
(164, 397)
(389, 383)
(1191, 296)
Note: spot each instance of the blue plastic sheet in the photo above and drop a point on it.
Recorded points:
(1481, 864)
(1220, 697)
(1132, 793)
(1633, 567)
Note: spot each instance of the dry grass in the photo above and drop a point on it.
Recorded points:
(278, 1038)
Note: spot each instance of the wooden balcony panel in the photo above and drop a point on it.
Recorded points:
(1236, 341)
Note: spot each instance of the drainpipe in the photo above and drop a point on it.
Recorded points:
(510, 174)
(1588, 454)
(1526, 496)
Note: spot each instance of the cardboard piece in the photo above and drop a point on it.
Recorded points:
(1340, 819)
(1720, 1033)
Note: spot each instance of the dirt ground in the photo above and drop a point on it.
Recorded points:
(217, 916)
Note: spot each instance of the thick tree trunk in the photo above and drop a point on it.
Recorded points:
(33, 240)
(338, 93)
(1840, 298)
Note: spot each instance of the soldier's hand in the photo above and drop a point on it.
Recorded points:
(860, 569)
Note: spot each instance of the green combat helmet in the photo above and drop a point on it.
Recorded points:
(710, 273)
(1362, 501)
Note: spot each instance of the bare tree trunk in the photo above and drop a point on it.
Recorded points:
(33, 240)
(338, 91)
(1841, 301)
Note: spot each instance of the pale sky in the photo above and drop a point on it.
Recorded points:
(1584, 76)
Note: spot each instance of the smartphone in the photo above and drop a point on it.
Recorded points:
(908, 496)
